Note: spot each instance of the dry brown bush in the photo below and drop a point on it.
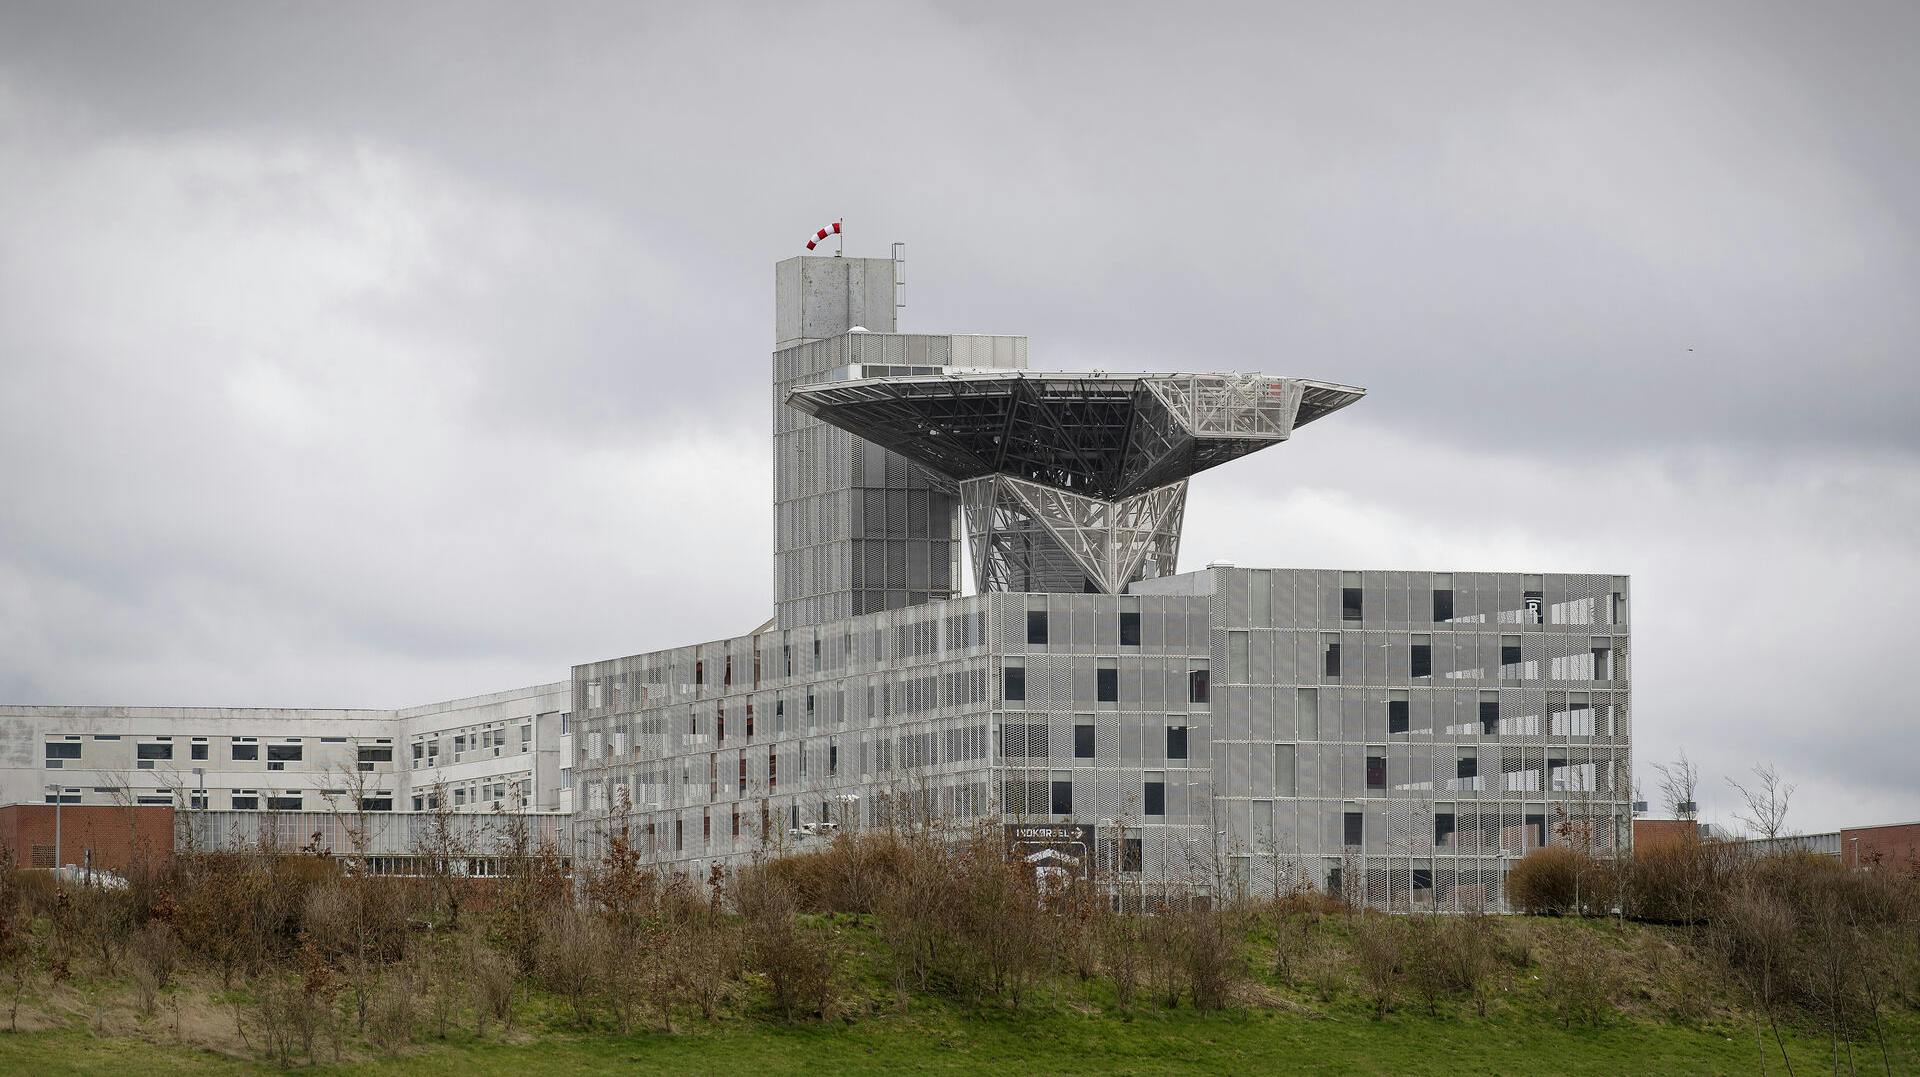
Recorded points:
(152, 956)
(1547, 881)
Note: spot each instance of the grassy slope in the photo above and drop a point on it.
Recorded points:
(1072, 1028)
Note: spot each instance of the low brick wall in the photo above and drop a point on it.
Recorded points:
(114, 835)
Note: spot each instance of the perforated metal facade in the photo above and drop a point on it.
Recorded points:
(1444, 748)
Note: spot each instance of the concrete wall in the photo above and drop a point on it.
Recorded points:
(223, 758)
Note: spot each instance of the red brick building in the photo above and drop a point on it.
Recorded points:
(111, 834)
(1659, 833)
(1895, 845)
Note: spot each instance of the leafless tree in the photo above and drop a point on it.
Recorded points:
(1766, 800)
(1679, 787)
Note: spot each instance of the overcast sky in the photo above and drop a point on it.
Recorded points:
(372, 355)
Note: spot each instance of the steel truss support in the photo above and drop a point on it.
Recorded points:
(1030, 537)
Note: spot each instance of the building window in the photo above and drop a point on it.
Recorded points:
(1037, 628)
(1397, 721)
(1467, 766)
(1106, 685)
(1014, 683)
(1198, 687)
(251, 802)
(57, 751)
(1156, 798)
(1176, 742)
(1489, 716)
(1083, 742)
(377, 802)
(199, 751)
(1349, 603)
(1130, 854)
(1062, 798)
(1376, 772)
(381, 753)
(1442, 605)
(1531, 604)
(1129, 628)
(153, 751)
(1420, 657)
(284, 803)
(1353, 829)
(1509, 650)
(1330, 656)
(1443, 829)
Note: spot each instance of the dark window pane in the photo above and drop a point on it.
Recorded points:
(1443, 828)
(1129, 628)
(1130, 854)
(1350, 603)
(1423, 878)
(1333, 660)
(1015, 686)
(1376, 772)
(63, 751)
(1037, 626)
(1197, 686)
(1467, 767)
(1443, 604)
(1420, 659)
(1083, 742)
(1353, 827)
(246, 751)
(199, 751)
(1509, 654)
(1106, 684)
(1063, 798)
(1156, 798)
(1489, 716)
(153, 751)
(285, 752)
(1533, 601)
(1397, 721)
(1176, 742)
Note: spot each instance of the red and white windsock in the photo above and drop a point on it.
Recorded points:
(830, 230)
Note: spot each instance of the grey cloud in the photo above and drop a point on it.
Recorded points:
(356, 354)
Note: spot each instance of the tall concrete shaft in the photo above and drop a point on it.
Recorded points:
(857, 529)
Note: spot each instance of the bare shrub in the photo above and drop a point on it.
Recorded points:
(799, 960)
(390, 1020)
(1578, 979)
(1379, 949)
(1293, 918)
(1428, 965)
(1469, 949)
(490, 983)
(572, 955)
(153, 953)
(18, 948)
(1122, 940)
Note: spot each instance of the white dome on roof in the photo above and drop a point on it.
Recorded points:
(858, 329)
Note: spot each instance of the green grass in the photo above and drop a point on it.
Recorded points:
(937, 1038)
(1668, 1020)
